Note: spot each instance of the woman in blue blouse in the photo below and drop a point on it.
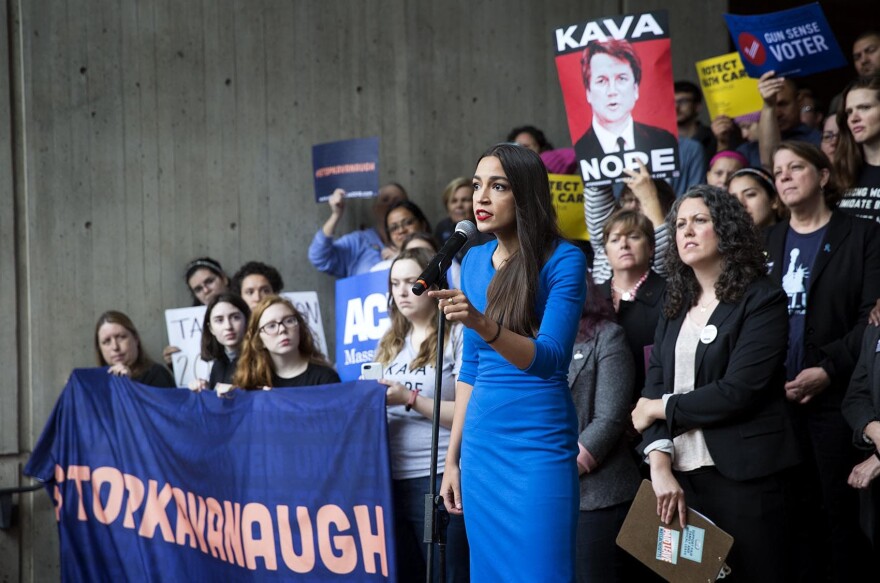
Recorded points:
(511, 464)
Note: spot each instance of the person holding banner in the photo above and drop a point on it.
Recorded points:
(406, 352)
(279, 350)
(712, 414)
(511, 465)
(858, 152)
(222, 334)
(118, 345)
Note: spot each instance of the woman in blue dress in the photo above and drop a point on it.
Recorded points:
(511, 464)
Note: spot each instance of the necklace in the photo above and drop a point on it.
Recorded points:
(503, 261)
(707, 306)
(629, 295)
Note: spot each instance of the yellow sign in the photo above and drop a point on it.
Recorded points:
(567, 191)
(727, 88)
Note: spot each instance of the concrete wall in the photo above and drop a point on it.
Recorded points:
(141, 134)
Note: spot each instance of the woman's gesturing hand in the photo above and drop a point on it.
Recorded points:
(457, 308)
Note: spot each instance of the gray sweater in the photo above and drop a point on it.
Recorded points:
(601, 378)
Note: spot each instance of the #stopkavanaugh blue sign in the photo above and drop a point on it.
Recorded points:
(170, 485)
(794, 42)
(352, 165)
(361, 320)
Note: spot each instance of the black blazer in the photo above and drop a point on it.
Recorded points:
(639, 320)
(844, 285)
(738, 401)
(861, 405)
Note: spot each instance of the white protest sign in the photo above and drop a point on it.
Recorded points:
(184, 327)
(306, 303)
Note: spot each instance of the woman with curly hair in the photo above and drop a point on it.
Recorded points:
(256, 280)
(828, 263)
(712, 414)
(279, 350)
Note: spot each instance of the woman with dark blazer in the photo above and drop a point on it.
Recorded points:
(861, 408)
(712, 413)
(634, 289)
(828, 263)
(601, 381)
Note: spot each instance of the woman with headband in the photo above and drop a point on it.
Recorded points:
(754, 189)
(722, 166)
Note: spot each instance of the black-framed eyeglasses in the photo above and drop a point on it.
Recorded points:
(289, 323)
(830, 136)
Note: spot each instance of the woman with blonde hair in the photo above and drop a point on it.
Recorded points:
(279, 350)
(407, 353)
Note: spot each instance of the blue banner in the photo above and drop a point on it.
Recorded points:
(171, 485)
(361, 320)
(352, 165)
(794, 42)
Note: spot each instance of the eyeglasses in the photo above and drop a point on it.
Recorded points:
(402, 225)
(289, 323)
(808, 108)
(207, 284)
(830, 136)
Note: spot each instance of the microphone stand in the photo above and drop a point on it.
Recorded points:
(436, 519)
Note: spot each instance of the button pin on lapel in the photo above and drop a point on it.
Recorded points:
(578, 355)
(827, 248)
(708, 334)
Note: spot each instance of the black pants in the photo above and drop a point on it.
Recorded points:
(752, 512)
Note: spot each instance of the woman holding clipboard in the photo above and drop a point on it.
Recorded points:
(712, 413)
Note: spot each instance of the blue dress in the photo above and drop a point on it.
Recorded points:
(519, 443)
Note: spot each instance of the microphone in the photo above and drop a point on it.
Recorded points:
(464, 232)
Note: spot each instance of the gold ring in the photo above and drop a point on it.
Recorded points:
(451, 301)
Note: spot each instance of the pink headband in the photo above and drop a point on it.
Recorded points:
(743, 161)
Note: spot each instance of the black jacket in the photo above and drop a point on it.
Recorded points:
(738, 400)
(844, 285)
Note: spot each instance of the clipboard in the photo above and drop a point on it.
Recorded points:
(695, 555)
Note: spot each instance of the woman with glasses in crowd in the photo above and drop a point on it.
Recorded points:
(205, 279)
(280, 351)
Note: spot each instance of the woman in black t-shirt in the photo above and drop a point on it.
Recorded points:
(222, 335)
(279, 350)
